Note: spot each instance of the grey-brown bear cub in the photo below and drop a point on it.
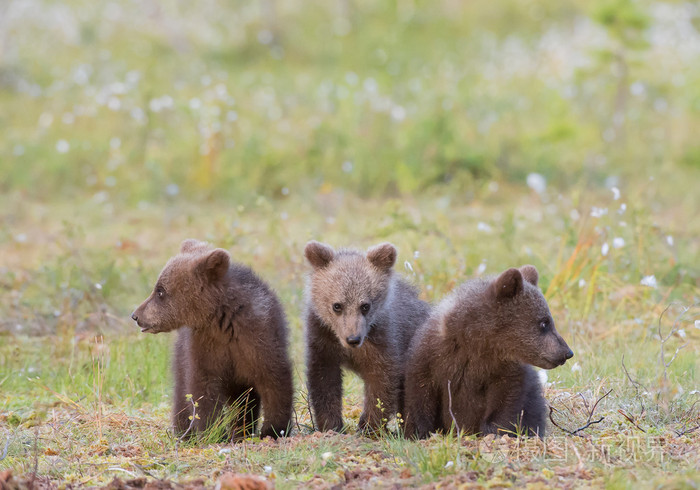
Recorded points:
(231, 342)
(477, 349)
(361, 316)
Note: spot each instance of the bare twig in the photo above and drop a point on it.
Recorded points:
(305, 396)
(630, 419)
(4, 451)
(36, 458)
(689, 415)
(449, 406)
(589, 421)
(674, 329)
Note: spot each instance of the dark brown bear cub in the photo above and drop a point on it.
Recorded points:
(231, 343)
(470, 363)
(361, 316)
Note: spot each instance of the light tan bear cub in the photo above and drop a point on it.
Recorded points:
(361, 316)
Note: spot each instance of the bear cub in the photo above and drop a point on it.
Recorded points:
(360, 316)
(470, 363)
(231, 347)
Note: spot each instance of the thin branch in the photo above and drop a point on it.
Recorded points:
(36, 458)
(449, 406)
(630, 419)
(636, 385)
(4, 451)
(589, 421)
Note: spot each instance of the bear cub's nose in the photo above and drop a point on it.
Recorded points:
(570, 354)
(134, 317)
(353, 340)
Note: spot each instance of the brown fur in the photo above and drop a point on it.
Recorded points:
(232, 346)
(482, 339)
(360, 316)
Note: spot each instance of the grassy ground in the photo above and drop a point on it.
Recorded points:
(474, 136)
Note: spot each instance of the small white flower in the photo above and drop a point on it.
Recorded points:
(195, 103)
(267, 469)
(649, 281)
(536, 182)
(416, 254)
(681, 333)
(326, 456)
(581, 283)
(408, 266)
(605, 249)
(669, 240)
(597, 212)
(449, 464)
(616, 193)
(697, 324)
(398, 113)
(576, 367)
(481, 269)
(618, 242)
(481, 226)
(623, 208)
(98, 285)
(62, 146)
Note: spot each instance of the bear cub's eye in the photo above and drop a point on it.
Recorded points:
(364, 308)
(337, 307)
(544, 325)
(160, 292)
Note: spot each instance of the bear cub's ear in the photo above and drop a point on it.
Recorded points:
(318, 254)
(215, 264)
(190, 245)
(530, 274)
(382, 256)
(508, 284)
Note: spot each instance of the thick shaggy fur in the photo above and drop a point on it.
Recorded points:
(360, 316)
(231, 345)
(470, 363)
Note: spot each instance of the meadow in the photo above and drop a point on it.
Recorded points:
(475, 136)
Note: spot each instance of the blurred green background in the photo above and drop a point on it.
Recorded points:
(144, 101)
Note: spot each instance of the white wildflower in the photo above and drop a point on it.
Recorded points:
(618, 242)
(649, 281)
(536, 182)
(581, 283)
(605, 249)
(481, 226)
(669, 240)
(616, 193)
(408, 266)
(576, 368)
(449, 464)
(62, 146)
(597, 212)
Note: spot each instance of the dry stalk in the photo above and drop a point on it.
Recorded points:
(589, 421)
